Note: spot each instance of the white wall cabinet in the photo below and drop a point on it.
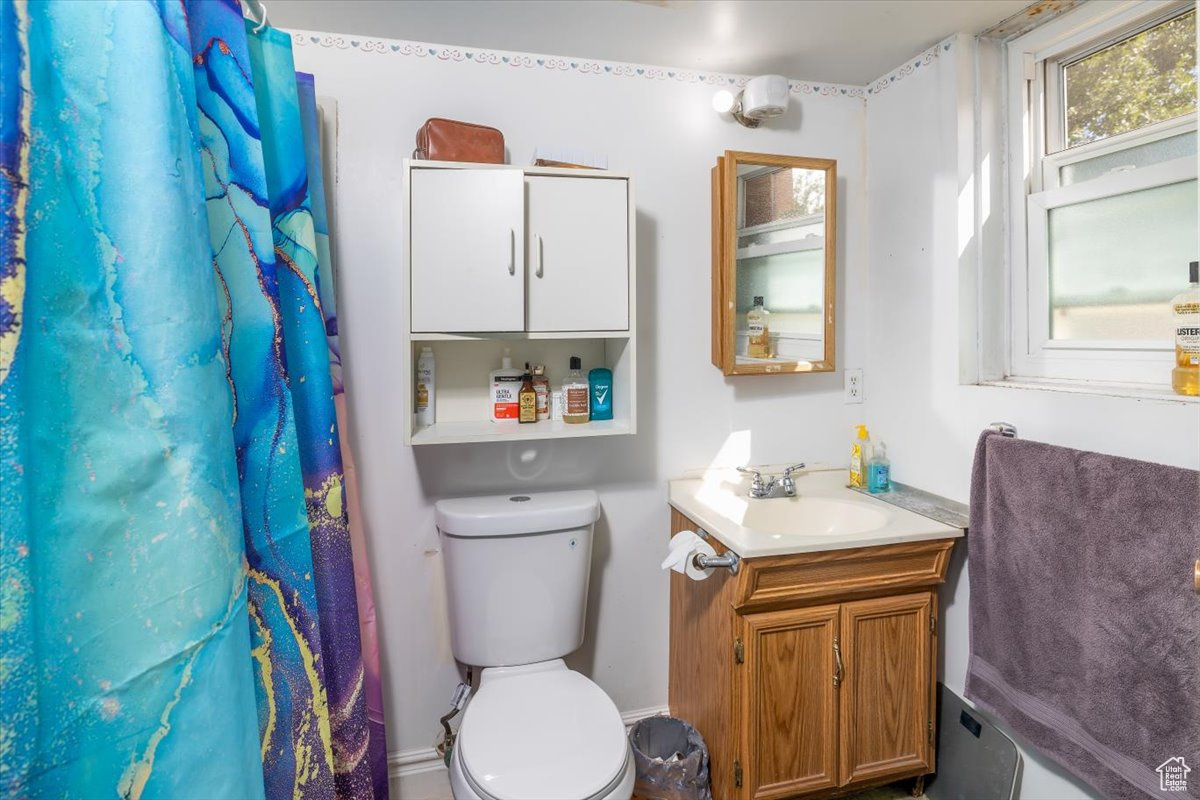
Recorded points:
(578, 254)
(467, 250)
(539, 261)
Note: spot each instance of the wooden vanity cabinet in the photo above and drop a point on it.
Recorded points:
(810, 675)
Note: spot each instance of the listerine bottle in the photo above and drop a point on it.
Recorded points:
(757, 320)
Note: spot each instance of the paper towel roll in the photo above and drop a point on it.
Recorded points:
(681, 552)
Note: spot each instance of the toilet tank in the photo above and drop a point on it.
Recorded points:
(517, 571)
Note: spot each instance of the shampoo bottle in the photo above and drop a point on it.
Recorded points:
(860, 457)
(506, 388)
(425, 382)
(1185, 307)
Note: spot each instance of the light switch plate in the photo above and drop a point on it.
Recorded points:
(854, 385)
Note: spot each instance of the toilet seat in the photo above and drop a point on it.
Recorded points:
(541, 732)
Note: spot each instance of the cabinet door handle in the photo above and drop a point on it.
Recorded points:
(540, 259)
(837, 656)
(512, 251)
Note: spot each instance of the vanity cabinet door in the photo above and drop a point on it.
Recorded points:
(885, 714)
(466, 231)
(789, 702)
(577, 252)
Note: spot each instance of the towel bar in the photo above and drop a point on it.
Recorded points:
(1004, 429)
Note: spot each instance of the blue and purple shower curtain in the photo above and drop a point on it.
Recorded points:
(177, 597)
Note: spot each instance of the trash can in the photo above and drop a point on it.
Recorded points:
(671, 760)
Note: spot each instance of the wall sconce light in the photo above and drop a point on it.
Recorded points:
(763, 97)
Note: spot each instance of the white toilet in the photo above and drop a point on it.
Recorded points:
(516, 579)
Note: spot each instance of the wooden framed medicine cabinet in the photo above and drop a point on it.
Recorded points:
(774, 222)
(539, 261)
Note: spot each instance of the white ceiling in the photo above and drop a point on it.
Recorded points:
(831, 41)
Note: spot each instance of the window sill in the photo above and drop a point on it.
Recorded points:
(1133, 391)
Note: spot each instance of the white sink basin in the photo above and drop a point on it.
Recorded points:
(812, 516)
(824, 515)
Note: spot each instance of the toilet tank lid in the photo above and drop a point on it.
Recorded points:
(511, 514)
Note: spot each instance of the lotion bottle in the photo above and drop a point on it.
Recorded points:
(506, 388)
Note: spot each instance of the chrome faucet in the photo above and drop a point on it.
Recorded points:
(781, 486)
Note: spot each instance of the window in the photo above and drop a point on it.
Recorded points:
(1105, 220)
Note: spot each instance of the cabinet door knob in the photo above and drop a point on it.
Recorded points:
(541, 247)
(512, 251)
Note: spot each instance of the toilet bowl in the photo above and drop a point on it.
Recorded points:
(541, 732)
(517, 570)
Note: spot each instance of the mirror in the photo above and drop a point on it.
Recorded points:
(774, 263)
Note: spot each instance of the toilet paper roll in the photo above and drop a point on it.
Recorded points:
(681, 552)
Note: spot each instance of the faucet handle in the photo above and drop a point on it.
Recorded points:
(758, 486)
(787, 473)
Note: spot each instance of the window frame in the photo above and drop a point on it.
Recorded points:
(1034, 65)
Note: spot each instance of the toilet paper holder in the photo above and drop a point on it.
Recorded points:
(728, 559)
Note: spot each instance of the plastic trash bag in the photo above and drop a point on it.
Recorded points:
(671, 760)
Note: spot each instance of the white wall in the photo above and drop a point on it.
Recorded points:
(664, 132)
(908, 146)
(914, 402)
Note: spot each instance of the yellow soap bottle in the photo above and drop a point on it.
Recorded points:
(860, 455)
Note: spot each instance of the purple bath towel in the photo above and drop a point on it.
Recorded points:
(1085, 626)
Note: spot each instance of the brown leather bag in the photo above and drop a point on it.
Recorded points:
(449, 140)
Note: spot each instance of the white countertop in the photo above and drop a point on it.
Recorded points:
(824, 515)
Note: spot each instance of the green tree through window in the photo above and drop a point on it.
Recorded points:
(1147, 78)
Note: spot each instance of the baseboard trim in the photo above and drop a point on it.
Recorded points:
(403, 763)
(630, 717)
